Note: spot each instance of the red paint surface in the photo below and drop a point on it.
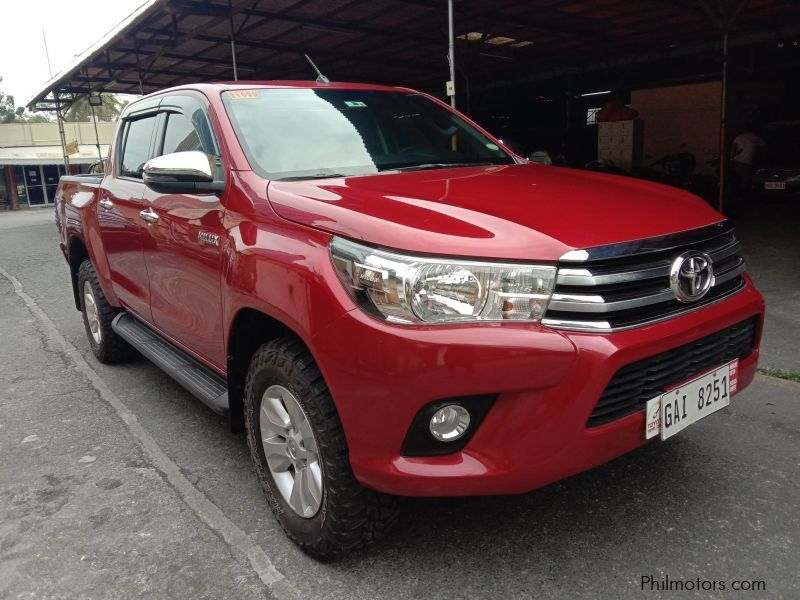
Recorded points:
(273, 257)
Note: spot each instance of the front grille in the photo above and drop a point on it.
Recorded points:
(627, 285)
(633, 385)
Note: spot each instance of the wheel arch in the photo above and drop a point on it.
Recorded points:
(250, 329)
(77, 253)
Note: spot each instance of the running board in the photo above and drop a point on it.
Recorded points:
(201, 381)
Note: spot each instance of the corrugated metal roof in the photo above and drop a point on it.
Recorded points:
(400, 42)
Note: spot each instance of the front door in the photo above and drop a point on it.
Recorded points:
(34, 185)
(184, 246)
(41, 183)
(119, 204)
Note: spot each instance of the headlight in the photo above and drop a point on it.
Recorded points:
(415, 289)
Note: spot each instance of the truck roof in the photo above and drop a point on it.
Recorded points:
(241, 85)
(216, 87)
(233, 85)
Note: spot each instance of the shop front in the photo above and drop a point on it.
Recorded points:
(32, 160)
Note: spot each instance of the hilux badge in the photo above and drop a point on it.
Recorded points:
(212, 239)
(691, 276)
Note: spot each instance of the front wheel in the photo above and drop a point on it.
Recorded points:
(301, 455)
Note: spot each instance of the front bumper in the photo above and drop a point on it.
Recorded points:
(548, 383)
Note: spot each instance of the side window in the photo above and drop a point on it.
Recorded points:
(184, 134)
(138, 136)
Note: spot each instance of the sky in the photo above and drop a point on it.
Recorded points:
(71, 26)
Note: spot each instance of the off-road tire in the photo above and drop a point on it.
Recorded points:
(350, 516)
(111, 348)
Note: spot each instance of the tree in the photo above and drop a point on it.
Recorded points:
(11, 113)
(109, 110)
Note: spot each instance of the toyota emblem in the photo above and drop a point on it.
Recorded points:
(691, 276)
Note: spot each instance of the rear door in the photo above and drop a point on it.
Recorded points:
(184, 247)
(119, 204)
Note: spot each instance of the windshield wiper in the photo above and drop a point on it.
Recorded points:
(319, 175)
(426, 166)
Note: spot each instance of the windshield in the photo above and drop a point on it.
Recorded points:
(308, 133)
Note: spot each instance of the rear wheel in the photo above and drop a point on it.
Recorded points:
(98, 314)
(301, 455)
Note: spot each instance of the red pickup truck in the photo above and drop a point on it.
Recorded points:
(390, 303)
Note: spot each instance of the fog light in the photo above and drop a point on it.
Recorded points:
(449, 422)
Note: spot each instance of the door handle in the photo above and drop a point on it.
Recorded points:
(148, 215)
(106, 204)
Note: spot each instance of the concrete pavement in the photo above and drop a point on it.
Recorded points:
(115, 483)
(772, 249)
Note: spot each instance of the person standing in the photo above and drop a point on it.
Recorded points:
(744, 151)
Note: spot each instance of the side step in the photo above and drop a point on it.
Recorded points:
(201, 381)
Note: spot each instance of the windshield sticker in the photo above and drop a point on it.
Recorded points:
(491, 146)
(355, 104)
(243, 94)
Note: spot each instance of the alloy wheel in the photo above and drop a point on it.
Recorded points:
(291, 451)
(92, 314)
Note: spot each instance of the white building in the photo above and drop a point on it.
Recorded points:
(31, 158)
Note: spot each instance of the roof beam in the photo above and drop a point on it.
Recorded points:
(545, 20)
(340, 26)
(187, 7)
(283, 48)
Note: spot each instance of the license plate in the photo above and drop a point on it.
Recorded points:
(676, 409)
(774, 185)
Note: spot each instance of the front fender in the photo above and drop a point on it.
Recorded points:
(284, 271)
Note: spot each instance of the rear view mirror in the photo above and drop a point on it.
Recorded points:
(183, 173)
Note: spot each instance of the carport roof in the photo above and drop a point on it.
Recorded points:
(171, 42)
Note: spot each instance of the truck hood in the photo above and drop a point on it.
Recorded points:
(506, 212)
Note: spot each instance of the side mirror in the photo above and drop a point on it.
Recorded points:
(183, 173)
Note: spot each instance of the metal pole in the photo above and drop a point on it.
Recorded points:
(723, 158)
(96, 135)
(233, 41)
(451, 55)
(47, 54)
(138, 67)
(61, 132)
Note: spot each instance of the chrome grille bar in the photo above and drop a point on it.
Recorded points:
(604, 289)
(585, 277)
(590, 278)
(596, 304)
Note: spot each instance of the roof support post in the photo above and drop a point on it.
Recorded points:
(451, 55)
(61, 132)
(725, 24)
(138, 65)
(96, 135)
(11, 187)
(233, 41)
(723, 114)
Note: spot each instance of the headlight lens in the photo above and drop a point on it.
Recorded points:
(414, 289)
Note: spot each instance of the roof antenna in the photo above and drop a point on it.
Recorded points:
(321, 79)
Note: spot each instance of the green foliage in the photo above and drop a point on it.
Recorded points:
(11, 113)
(108, 111)
(788, 375)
